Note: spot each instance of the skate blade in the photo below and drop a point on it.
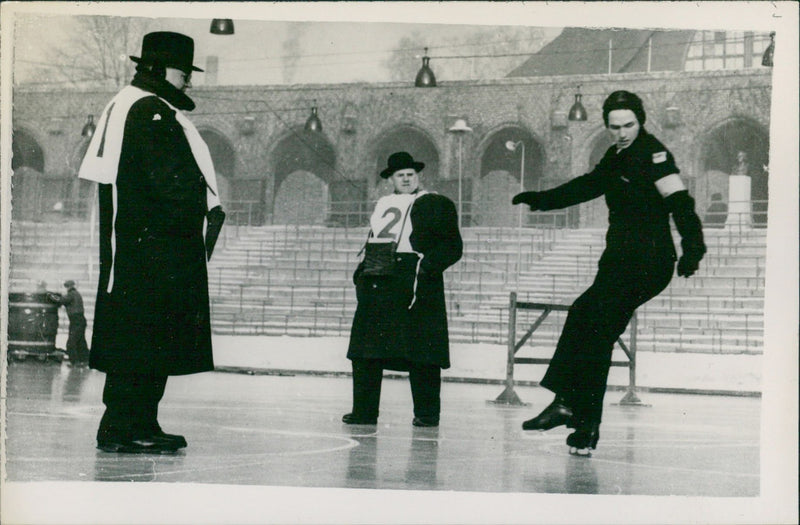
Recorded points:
(582, 452)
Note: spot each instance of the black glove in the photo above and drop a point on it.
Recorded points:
(688, 264)
(531, 198)
(681, 205)
(215, 217)
(357, 273)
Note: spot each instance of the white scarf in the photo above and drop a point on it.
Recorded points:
(101, 165)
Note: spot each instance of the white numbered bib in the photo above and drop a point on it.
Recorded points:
(390, 222)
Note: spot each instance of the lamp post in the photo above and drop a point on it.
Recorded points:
(512, 146)
(460, 128)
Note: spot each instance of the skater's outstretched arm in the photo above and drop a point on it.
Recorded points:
(578, 190)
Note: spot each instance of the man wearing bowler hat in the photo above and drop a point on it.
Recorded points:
(159, 218)
(400, 321)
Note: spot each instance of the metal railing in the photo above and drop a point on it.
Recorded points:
(298, 277)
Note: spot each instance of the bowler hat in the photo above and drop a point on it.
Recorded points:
(401, 161)
(168, 49)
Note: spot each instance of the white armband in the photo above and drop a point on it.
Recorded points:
(670, 184)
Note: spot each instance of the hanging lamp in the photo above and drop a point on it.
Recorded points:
(425, 76)
(221, 26)
(577, 112)
(89, 127)
(314, 123)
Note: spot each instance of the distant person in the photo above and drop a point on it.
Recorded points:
(77, 349)
(400, 321)
(157, 193)
(716, 213)
(642, 188)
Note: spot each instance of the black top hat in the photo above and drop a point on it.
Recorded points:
(401, 161)
(168, 49)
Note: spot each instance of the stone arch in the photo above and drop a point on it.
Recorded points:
(304, 165)
(717, 159)
(417, 142)
(83, 191)
(26, 151)
(594, 213)
(224, 157)
(500, 173)
(27, 164)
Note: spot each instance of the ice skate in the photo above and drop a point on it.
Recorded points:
(556, 414)
(584, 440)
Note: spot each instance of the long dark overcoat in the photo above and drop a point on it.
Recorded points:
(156, 318)
(383, 326)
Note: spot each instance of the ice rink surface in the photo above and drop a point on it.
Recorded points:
(286, 430)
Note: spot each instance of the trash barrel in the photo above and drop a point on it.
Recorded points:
(32, 325)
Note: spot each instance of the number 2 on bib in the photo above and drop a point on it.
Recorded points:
(396, 214)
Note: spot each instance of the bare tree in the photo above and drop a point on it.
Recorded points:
(404, 62)
(95, 56)
(292, 47)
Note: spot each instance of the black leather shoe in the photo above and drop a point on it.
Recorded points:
(556, 414)
(138, 446)
(352, 419)
(425, 422)
(178, 440)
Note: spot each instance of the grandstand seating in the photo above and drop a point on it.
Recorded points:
(297, 280)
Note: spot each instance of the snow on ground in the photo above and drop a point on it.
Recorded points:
(681, 371)
(487, 362)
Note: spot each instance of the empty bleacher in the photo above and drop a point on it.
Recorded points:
(297, 280)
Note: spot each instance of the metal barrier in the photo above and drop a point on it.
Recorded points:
(719, 310)
(509, 397)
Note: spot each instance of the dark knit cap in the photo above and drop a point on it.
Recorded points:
(624, 100)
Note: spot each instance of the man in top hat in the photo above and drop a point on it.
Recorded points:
(159, 217)
(400, 321)
(77, 349)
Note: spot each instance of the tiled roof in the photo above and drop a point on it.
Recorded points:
(585, 51)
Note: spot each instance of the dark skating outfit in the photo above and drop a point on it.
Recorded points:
(386, 333)
(152, 311)
(636, 265)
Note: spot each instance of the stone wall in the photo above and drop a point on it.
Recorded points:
(263, 128)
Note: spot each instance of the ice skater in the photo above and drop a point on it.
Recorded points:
(642, 188)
